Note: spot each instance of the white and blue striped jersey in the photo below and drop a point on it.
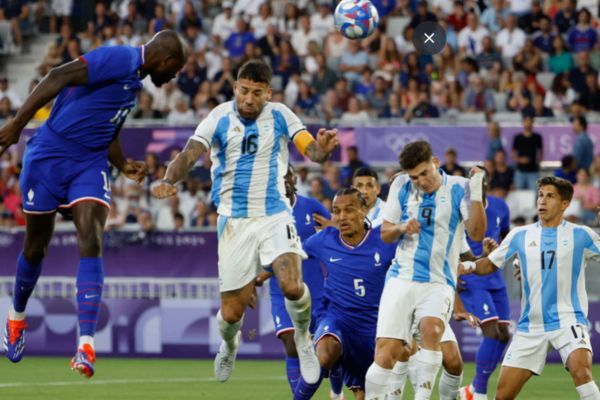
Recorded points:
(250, 158)
(432, 254)
(553, 262)
(375, 214)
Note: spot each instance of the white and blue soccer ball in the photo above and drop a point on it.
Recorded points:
(356, 19)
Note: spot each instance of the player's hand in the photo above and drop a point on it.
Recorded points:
(322, 221)
(262, 277)
(489, 245)
(253, 299)
(517, 265)
(461, 285)
(411, 227)
(328, 139)
(135, 170)
(472, 320)
(162, 189)
(475, 170)
(9, 135)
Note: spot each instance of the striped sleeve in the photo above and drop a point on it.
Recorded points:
(509, 248)
(294, 125)
(205, 130)
(593, 245)
(392, 211)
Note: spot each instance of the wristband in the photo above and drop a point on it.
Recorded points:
(469, 266)
(476, 187)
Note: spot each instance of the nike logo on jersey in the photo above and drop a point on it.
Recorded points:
(91, 296)
(331, 259)
(127, 87)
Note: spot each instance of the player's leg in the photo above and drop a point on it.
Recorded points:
(511, 381)
(404, 370)
(490, 307)
(573, 344)
(292, 363)
(433, 309)
(89, 217)
(38, 233)
(394, 334)
(328, 339)
(284, 329)
(449, 385)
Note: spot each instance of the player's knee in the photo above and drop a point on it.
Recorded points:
(504, 392)
(90, 244)
(503, 335)
(581, 375)
(35, 253)
(288, 343)
(292, 289)
(329, 351)
(432, 332)
(232, 315)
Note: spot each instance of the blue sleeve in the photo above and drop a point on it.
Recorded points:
(505, 222)
(110, 63)
(321, 210)
(389, 253)
(311, 245)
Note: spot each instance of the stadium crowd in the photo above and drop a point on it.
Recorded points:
(537, 58)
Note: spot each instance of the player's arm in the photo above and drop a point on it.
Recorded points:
(476, 224)
(318, 150)
(391, 232)
(134, 170)
(482, 266)
(460, 313)
(178, 169)
(70, 74)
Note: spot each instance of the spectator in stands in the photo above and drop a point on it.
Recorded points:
(224, 79)
(354, 163)
(560, 96)
(530, 22)
(477, 97)
(236, 42)
(457, 20)
(378, 98)
(568, 169)
(529, 60)
(595, 171)
(511, 39)
(13, 203)
(544, 37)
(537, 109)
(259, 23)
(489, 56)
(269, 44)
(286, 63)
(577, 75)
(330, 108)
(566, 18)
(365, 86)
(181, 114)
(519, 98)
(115, 219)
(422, 15)
(356, 113)
(316, 189)
(307, 103)
(144, 108)
(393, 108)
(588, 195)
(289, 22)
(528, 154)
(404, 42)
(353, 61)
(451, 165)
(495, 140)
(471, 37)
(13, 11)
(390, 59)
(324, 78)
(303, 35)
(134, 18)
(190, 77)
(583, 150)
(160, 21)
(560, 60)
(6, 111)
(60, 9)
(5, 91)
(101, 18)
(423, 108)
(590, 97)
(322, 21)
(224, 23)
(493, 16)
(502, 176)
(582, 37)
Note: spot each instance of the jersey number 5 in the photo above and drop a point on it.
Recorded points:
(359, 288)
(249, 144)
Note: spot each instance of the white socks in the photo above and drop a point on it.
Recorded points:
(228, 331)
(397, 381)
(588, 391)
(299, 311)
(449, 386)
(377, 382)
(86, 340)
(413, 369)
(15, 316)
(429, 363)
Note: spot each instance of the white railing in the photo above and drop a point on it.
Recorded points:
(124, 288)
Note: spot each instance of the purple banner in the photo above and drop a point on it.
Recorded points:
(126, 254)
(382, 145)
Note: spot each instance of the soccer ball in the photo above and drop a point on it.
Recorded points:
(356, 19)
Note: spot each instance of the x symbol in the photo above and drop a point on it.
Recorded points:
(429, 37)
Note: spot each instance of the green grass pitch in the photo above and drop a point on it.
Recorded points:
(154, 379)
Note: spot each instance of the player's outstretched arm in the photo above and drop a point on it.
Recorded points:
(391, 232)
(317, 150)
(178, 169)
(482, 266)
(476, 225)
(134, 170)
(70, 74)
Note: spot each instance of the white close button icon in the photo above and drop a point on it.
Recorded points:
(429, 38)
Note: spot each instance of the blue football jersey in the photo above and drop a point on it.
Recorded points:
(304, 208)
(90, 115)
(498, 220)
(354, 275)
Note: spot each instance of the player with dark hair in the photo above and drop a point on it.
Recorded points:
(248, 138)
(65, 166)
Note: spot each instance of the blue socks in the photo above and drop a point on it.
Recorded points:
(292, 369)
(27, 277)
(90, 278)
(488, 356)
(336, 378)
(304, 391)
